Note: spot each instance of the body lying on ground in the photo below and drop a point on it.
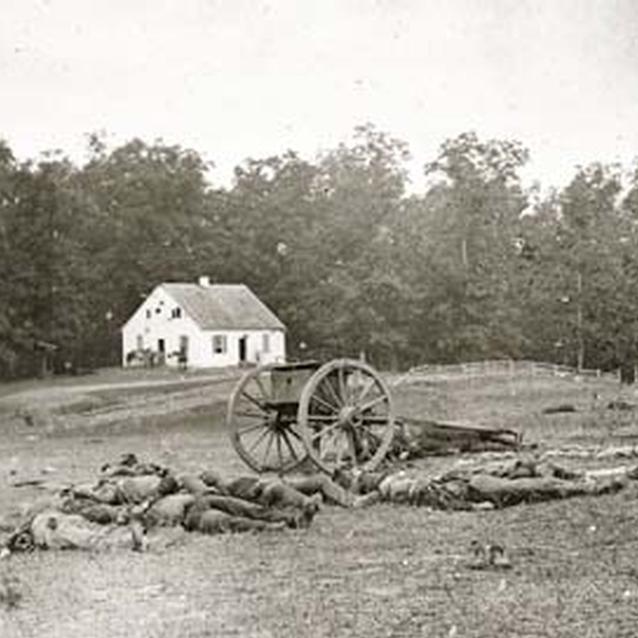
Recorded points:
(522, 480)
(126, 503)
(131, 498)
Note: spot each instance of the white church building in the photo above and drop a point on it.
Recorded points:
(203, 325)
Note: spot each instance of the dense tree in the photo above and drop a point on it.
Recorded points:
(358, 192)
(351, 262)
(42, 262)
(311, 238)
(11, 332)
(147, 209)
(467, 227)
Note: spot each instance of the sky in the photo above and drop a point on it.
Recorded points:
(251, 78)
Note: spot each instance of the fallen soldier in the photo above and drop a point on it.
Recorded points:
(496, 486)
(127, 482)
(212, 521)
(292, 515)
(168, 511)
(52, 529)
(132, 498)
(294, 491)
(503, 492)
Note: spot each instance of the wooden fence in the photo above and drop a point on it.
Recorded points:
(502, 367)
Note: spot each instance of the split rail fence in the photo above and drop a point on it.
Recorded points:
(503, 367)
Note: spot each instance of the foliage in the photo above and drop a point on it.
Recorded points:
(473, 267)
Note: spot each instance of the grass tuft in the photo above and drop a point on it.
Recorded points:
(10, 591)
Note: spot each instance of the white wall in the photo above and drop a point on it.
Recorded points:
(161, 325)
(254, 347)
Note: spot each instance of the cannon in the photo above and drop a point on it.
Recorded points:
(335, 415)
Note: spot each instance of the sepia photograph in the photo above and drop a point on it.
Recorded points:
(318, 318)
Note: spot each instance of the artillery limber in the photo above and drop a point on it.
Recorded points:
(338, 414)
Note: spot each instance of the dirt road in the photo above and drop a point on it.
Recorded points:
(89, 406)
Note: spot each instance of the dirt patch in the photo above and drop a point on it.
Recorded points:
(51, 410)
(383, 571)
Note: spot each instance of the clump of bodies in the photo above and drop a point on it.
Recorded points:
(131, 498)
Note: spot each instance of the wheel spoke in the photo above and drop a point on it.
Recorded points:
(251, 415)
(295, 434)
(322, 426)
(249, 428)
(369, 385)
(268, 447)
(330, 407)
(277, 434)
(328, 382)
(322, 417)
(289, 445)
(325, 431)
(342, 386)
(372, 403)
(259, 439)
(252, 399)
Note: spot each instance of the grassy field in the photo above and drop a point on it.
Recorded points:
(383, 571)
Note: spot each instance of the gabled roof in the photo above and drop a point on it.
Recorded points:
(223, 306)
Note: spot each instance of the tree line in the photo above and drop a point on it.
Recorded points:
(477, 266)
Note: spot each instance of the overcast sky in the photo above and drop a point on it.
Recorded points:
(238, 78)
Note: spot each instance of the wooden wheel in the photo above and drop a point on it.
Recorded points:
(263, 432)
(346, 416)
